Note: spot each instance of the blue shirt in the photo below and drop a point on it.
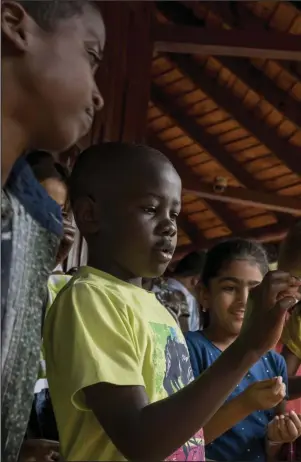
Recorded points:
(244, 441)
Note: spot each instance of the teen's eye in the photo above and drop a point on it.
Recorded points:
(94, 58)
(229, 289)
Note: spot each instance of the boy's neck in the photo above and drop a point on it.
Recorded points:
(219, 337)
(13, 145)
(112, 268)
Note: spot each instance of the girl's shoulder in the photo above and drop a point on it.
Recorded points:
(275, 362)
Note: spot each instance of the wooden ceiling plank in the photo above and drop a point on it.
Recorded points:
(242, 196)
(192, 231)
(204, 139)
(290, 155)
(265, 87)
(247, 198)
(194, 40)
(209, 143)
(271, 233)
(230, 219)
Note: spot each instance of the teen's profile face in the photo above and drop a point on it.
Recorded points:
(56, 70)
(228, 294)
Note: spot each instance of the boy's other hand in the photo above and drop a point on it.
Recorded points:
(37, 450)
(264, 394)
(267, 308)
(284, 428)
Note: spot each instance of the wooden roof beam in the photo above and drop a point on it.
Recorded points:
(290, 155)
(266, 234)
(194, 40)
(227, 216)
(263, 86)
(192, 231)
(203, 138)
(189, 13)
(247, 198)
(242, 196)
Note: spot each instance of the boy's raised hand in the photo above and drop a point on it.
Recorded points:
(264, 394)
(284, 428)
(268, 306)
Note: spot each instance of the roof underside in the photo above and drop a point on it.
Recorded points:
(230, 121)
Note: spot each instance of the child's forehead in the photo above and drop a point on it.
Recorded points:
(93, 25)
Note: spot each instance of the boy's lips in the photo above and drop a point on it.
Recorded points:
(164, 250)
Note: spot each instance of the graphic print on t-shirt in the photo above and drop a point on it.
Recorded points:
(172, 363)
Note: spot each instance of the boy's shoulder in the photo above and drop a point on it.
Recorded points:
(104, 289)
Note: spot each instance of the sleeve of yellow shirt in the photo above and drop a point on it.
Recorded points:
(291, 336)
(88, 339)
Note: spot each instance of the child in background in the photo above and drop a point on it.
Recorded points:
(246, 428)
(290, 260)
(178, 292)
(54, 178)
(117, 363)
(50, 53)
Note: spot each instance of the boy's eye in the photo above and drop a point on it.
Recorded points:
(150, 209)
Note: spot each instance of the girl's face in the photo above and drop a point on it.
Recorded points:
(227, 295)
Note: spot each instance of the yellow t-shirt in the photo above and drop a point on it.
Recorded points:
(101, 329)
(291, 336)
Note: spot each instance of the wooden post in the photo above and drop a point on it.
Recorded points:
(124, 80)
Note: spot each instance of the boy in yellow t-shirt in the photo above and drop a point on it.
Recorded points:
(290, 260)
(117, 363)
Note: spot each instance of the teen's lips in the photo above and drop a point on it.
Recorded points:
(239, 314)
(164, 250)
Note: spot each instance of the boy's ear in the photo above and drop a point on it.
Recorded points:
(195, 281)
(204, 297)
(87, 216)
(15, 23)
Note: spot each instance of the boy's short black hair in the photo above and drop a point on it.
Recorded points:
(106, 164)
(47, 13)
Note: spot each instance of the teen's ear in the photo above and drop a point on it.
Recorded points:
(15, 24)
(86, 215)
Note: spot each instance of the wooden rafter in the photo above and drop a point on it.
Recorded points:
(226, 215)
(203, 138)
(242, 68)
(271, 233)
(245, 197)
(290, 155)
(264, 86)
(244, 18)
(193, 40)
(192, 231)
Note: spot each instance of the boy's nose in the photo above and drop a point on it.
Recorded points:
(168, 228)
